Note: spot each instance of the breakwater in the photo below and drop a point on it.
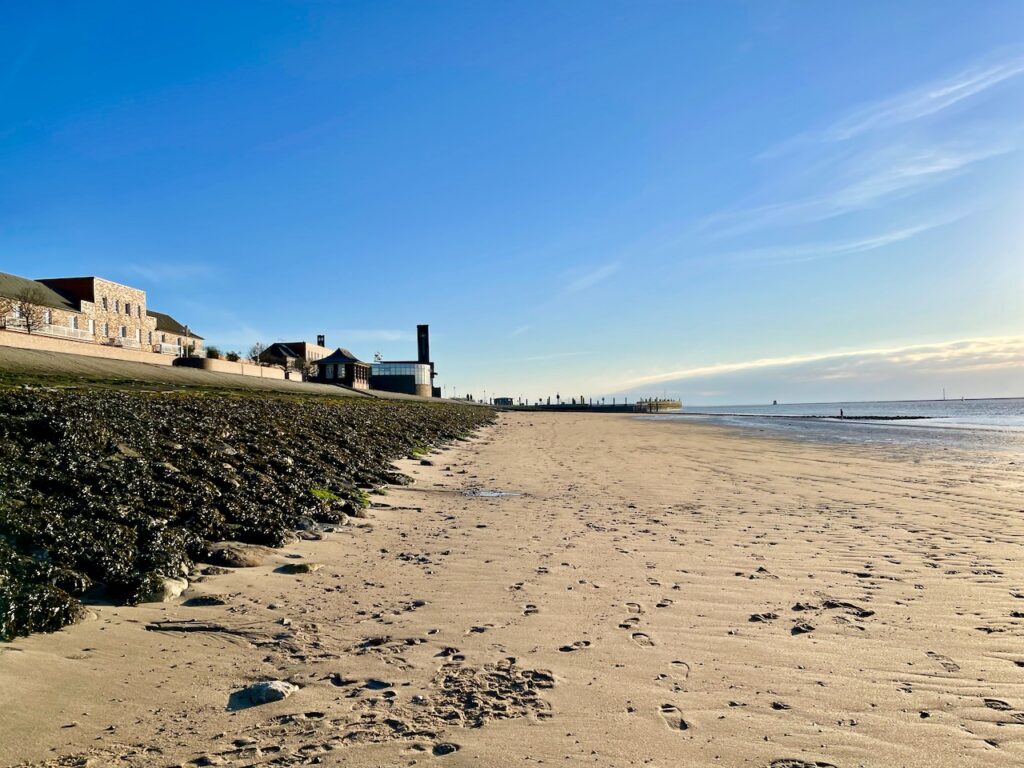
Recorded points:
(117, 492)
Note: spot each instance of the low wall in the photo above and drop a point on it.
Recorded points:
(226, 366)
(43, 343)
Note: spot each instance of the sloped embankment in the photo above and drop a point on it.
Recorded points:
(119, 491)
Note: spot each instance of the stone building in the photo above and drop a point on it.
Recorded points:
(91, 310)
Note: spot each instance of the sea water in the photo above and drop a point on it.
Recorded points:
(995, 425)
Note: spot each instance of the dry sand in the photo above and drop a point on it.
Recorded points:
(604, 617)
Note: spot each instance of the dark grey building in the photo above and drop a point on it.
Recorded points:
(413, 377)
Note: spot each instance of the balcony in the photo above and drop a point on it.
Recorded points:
(167, 349)
(46, 329)
(126, 343)
(65, 332)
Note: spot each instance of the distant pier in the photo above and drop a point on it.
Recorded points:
(639, 406)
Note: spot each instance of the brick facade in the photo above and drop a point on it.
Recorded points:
(98, 311)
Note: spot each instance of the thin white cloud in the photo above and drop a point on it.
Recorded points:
(816, 251)
(519, 331)
(871, 180)
(924, 101)
(593, 277)
(909, 106)
(987, 353)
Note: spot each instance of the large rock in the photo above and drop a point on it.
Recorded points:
(168, 589)
(265, 692)
(235, 555)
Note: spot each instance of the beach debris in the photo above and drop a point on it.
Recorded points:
(763, 617)
(801, 628)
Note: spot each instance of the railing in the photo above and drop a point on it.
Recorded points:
(167, 349)
(45, 329)
(126, 343)
(66, 332)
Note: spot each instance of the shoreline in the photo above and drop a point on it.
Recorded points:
(624, 580)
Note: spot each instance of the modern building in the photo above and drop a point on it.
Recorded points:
(342, 367)
(504, 402)
(91, 310)
(413, 377)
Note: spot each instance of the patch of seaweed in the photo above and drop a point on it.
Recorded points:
(122, 489)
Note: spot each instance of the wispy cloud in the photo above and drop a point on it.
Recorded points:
(927, 100)
(960, 356)
(592, 278)
(519, 331)
(870, 180)
(815, 251)
(924, 101)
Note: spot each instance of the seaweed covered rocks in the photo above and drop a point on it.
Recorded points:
(123, 491)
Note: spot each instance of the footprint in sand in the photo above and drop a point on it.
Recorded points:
(664, 603)
(673, 717)
(634, 608)
(998, 705)
(643, 640)
(681, 667)
(947, 663)
(530, 609)
(578, 645)
(789, 762)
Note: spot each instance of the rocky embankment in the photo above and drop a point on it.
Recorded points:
(115, 494)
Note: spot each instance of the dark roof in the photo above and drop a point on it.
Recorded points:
(340, 355)
(12, 287)
(280, 349)
(168, 324)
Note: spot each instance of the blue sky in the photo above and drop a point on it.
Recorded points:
(729, 202)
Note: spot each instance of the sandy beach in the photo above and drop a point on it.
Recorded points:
(654, 595)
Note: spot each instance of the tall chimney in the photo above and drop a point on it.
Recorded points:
(321, 340)
(423, 342)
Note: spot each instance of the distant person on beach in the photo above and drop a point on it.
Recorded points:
(841, 413)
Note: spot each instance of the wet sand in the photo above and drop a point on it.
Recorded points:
(658, 595)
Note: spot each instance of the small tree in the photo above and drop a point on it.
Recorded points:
(29, 307)
(6, 307)
(256, 351)
(233, 357)
(213, 353)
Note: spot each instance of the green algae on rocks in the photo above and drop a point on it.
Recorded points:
(119, 491)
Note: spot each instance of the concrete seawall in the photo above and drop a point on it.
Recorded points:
(43, 343)
(226, 366)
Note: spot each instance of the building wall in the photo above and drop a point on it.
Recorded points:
(226, 366)
(38, 341)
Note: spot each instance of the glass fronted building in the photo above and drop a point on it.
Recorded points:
(410, 377)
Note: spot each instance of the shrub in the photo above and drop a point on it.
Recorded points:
(213, 353)
(233, 357)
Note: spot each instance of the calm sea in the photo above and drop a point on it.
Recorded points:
(995, 425)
